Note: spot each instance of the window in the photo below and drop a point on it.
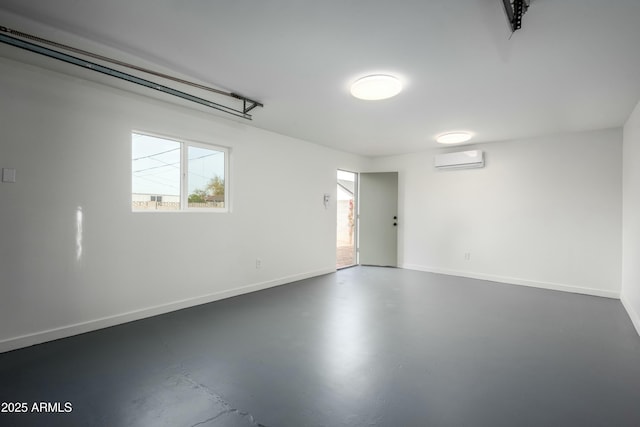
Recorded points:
(172, 175)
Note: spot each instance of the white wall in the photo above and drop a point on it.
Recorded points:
(70, 142)
(544, 212)
(631, 218)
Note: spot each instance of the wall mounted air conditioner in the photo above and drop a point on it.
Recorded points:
(460, 160)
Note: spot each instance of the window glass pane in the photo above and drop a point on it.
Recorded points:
(155, 173)
(205, 180)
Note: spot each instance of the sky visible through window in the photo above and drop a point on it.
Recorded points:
(156, 166)
(204, 164)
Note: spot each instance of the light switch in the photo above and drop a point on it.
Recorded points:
(8, 175)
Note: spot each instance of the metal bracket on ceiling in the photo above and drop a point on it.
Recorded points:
(247, 103)
(514, 10)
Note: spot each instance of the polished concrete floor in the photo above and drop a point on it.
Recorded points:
(363, 347)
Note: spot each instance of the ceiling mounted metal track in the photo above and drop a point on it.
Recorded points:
(247, 104)
(515, 9)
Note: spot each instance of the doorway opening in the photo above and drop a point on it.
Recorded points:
(347, 236)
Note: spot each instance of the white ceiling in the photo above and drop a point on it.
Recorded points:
(574, 66)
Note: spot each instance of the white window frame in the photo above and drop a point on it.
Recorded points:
(184, 170)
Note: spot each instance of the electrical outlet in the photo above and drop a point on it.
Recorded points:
(8, 175)
(467, 256)
(258, 263)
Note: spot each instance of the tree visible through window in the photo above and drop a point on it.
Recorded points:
(177, 175)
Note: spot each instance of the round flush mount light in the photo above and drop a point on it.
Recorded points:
(376, 87)
(453, 137)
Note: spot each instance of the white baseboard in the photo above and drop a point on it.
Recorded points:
(635, 317)
(105, 322)
(516, 281)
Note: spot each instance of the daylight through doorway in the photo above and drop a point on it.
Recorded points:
(346, 224)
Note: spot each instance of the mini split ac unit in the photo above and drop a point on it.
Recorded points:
(460, 160)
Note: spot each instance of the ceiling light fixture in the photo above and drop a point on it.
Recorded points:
(453, 137)
(376, 87)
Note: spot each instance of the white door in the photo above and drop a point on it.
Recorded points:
(378, 219)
